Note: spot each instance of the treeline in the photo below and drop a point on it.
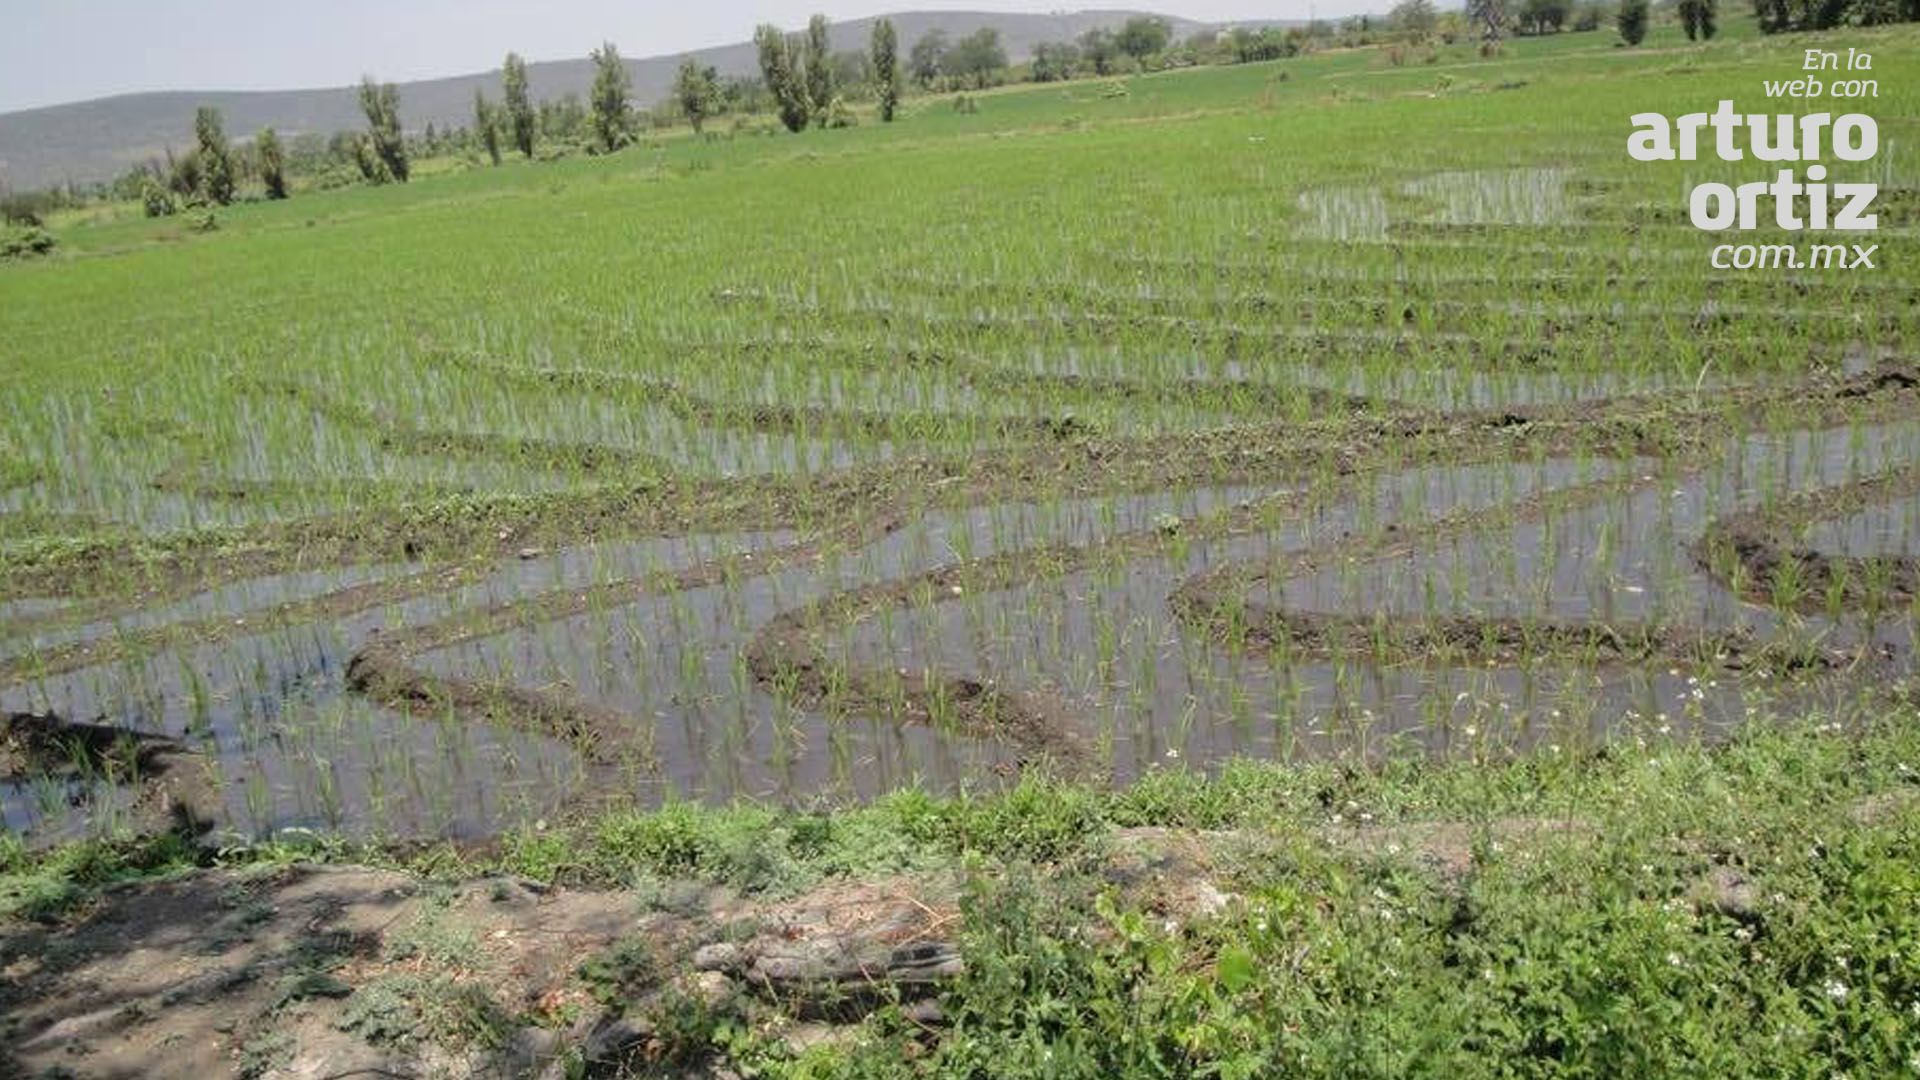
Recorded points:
(938, 62)
(803, 82)
(1777, 16)
(214, 172)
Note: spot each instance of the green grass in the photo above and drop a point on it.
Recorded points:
(1592, 951)
(614, 264)
(1302, 290)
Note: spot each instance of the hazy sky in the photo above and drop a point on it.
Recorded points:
(56, 51)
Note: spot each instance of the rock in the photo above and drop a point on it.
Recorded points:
(846, 962)
(710, 987)
(926, 1011)
(801, 1037)
(1208, 900)
(614, 1037)
(1727, 890)
(515, 890)
(527, 553)
(723, 956)
(1447, 850)
(532, 1051)
(1171, 871)
(1879, 809)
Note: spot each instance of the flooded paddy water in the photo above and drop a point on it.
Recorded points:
(1427, 609)
(1428, 465)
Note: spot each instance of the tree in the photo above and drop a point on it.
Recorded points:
(564, 119)
(1054, 61)
(976, 57)
(850, 69)
(928, 58)
(1248, 46)
(1142, 36)
(1697, 18)
(381, 104)
(273, 162)
(611, 85)
(1414, 18)
(156, 199)
(1491, 16)
(372, 169)
(215, 181)
(819, 68)
(519, 103)
(1098, 46)
(694, 90)
(886, 68)
(782, 76)
(1632, 21)
(486, 124)
(1543, 16)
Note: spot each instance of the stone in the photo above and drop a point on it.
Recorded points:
(1727, 890)
(926, 1012)
(722, 956)
(711, 987)
(613, 1037)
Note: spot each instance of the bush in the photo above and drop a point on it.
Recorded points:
(31, 242)
(1632, 21)
(840, 116)
(158, 200)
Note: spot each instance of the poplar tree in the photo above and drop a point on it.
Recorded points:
(819, 70)
(611, 84)
(886, 68)
(694, 88)
(782, 76)
(381, 104)
(273, 163)
(216, 180)
(519, 105)
(486, 124)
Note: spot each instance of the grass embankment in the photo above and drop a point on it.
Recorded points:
(1661, 909)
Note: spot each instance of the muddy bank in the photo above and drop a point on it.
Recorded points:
(1760, 554)
(157, 783)
(284, 970)
(302, 970)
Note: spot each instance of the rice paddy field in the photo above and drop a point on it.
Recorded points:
(1328, 409)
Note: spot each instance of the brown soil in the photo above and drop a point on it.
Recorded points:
(1512, 641)
(277, 972)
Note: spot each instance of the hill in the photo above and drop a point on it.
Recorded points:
(99, 139)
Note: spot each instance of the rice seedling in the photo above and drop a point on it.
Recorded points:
(1390, 445)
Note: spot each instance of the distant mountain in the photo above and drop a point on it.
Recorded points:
(100, 139)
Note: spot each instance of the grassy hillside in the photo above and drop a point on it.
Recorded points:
(98, 140)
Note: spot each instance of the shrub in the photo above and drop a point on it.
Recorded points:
(840, 116)
(1632, 21)
(31, 242)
